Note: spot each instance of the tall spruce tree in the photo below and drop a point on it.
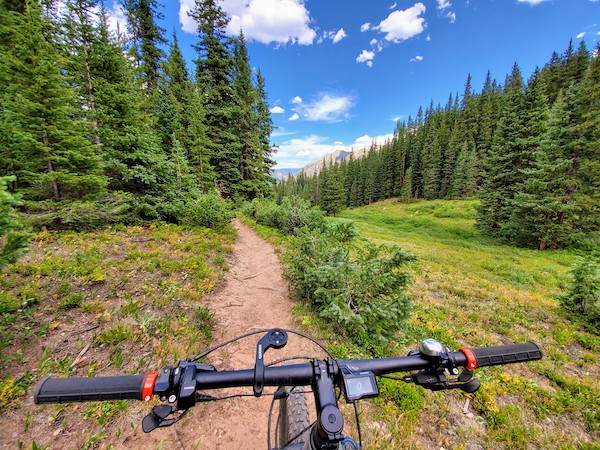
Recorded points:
(214, 75)
(147, 37)
(504, 164)
(54, 159)
(265, 126)
(131, 149)
(246, 120)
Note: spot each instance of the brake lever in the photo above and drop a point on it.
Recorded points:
(158, 417)
(275, 338)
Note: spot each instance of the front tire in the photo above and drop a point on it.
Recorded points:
(293, 418)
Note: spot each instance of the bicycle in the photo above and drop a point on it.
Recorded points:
(434, 366)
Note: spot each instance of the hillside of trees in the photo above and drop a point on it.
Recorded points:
(529, 150)
(99, 127)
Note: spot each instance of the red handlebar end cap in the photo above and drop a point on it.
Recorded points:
(148, 388)
(471, 360)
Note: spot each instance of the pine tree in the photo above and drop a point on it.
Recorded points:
(544, 210)
(199, 154)
(214, 75)
(55, 159)
(148, 36)
(82, 41)
(490, 105)
(131, 149)
(406, 193)
(251, 118)
(265, 128)
(13, 238)
(333, 198)
(464, 178)
(504, 165)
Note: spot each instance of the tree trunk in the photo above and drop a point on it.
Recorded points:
(50, 169)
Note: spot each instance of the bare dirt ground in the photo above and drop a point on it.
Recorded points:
(255, 296)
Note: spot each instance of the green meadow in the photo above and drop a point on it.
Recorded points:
(469, 290)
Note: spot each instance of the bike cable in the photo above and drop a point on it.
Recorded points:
(252, 333)
(358, 426)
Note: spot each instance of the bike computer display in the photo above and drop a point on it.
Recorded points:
(359, 385)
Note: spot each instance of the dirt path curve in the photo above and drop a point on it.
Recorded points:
(255, 296)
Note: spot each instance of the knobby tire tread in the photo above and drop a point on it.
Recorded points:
(293, 417)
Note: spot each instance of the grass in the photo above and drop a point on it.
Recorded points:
(119, 300)
(470, 291)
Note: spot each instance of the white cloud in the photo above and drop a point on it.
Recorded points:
(369, 63)
(366, 140)
(417, 58)
(393, 6)
(452, 16)
(377, 45)
(294, 117)
(341, 34)
(297, 153)
(443, 4)
(115, 15)
(117, 22)
(187, 23)
(365, 56)
(326, 108)
(281, 131)
(277, 110)
(402, 25)
(297, 100)
(580, 35)
(365, 27)
(428, 38)
(265, 21)
(531, 2)
(335, 36)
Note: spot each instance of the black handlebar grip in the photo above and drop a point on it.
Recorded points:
(65, 390)
(506, 354)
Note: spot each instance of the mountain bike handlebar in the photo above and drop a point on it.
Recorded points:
(189, 377)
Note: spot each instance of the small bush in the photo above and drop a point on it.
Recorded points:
(583, 297)
(354, 284)
(8, 303)
(79, 215)
(13, 389)
(114, 335)
(210, 211)
(290, 216)
(72, 301)
(13, 240)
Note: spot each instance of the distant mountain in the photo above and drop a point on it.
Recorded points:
(337, 156)
(281, 174)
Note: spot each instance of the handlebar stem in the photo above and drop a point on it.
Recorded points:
(328, 431)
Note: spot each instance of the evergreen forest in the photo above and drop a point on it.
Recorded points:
(530, 150)
(99, 126)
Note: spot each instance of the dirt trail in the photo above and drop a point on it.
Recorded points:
(255, 296)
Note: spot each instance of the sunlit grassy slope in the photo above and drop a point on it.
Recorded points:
(469, 290)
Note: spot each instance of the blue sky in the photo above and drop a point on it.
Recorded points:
(341, 72)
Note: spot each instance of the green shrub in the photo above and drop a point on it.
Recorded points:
(8, 303)
(79, 215)
(354, 284)
(114, 335)
(583, 297)
(72, 301)
(291, 215)
(210, 211)
(13, 240)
